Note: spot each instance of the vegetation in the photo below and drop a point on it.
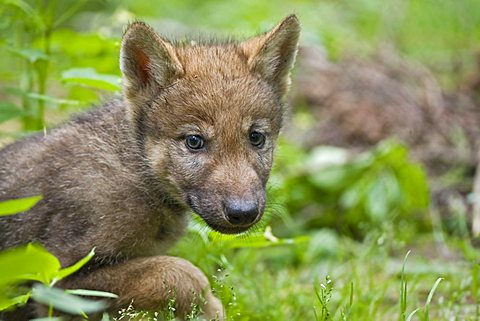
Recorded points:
(347, 236)
(32, 262)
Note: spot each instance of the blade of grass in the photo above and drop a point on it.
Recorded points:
(403, 290)
(410, 316)
(430, 297)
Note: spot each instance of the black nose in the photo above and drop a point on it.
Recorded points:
(241, 212)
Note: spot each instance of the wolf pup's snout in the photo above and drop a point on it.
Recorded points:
(241, 212)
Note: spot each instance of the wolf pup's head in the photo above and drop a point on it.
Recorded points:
(207, 116)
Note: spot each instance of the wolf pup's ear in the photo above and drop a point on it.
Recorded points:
(148, 63)
(272, 54)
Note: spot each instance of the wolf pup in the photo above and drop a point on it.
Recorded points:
(195, 129)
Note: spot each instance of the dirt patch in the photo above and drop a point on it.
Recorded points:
(358, 102)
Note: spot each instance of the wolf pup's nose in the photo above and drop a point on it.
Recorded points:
(241, 212)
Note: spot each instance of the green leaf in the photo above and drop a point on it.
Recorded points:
(392, 187)
(6, 303)
(377, 201)
(34, 96)
(30, 262)
(62, 301)
(30, 54)
(100, 294)
(259, 242)
(332, 178)
(327, 156)
(75, 267)
(9, 111)
(353, 196)
(53, 100)
(89, 77)
(33, 263)
(254, 240)
(11, 207)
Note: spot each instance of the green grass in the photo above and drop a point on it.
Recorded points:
(378, 279)
(368, 280)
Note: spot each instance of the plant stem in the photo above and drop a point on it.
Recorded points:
(43, 66)
(26, 84)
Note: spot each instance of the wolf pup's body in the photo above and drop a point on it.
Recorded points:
(196, 128)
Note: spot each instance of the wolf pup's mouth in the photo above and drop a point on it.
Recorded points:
(228, 229)
(218, 221)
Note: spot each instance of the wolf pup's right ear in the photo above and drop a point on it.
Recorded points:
(148, 63)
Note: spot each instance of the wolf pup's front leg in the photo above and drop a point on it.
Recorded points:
(152, 284)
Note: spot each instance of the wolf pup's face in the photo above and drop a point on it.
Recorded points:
(207, 116)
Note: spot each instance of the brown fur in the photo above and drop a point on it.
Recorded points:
(121, 178)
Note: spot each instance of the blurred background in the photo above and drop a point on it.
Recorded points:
(379, 157)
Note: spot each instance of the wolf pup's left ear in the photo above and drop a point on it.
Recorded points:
(148, 63)
(272, 54)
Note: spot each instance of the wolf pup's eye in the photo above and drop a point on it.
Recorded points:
(194, 142)
(257, 139)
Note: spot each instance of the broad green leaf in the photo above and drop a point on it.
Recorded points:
(377, 202)
(254, 240)
(75, 267)
(413, 181)
(354, 194)
(331, 178)
(327, 156)
(392, 187)
(62, 301)
(260, 242)
(30, 262)
(90, 77)
(100, 294)
(33, 263)
(15, 206)
(9, 111)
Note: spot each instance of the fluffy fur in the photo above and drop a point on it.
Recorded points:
(121, 177)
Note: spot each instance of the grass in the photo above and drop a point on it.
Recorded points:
(368, 280)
